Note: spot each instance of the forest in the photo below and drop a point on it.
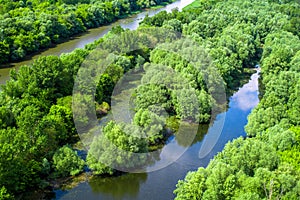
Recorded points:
(29, 26)
(265, 165)
(38, 138)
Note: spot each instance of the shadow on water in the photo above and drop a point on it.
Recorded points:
(160, 184)
(123, 185)
(181, 137)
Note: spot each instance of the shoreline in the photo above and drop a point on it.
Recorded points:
(30, 56)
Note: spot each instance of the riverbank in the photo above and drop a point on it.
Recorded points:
(19, 42)
(67, 184)
(80, 40)
(140, 186)
(76, 35)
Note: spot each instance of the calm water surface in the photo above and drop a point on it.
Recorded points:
(131, 23)
(159, 185)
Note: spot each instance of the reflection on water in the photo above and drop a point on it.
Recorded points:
(240, 105)
(247, 96)
(124, 185)
(93, 34)
(161, 183)
(181, 137)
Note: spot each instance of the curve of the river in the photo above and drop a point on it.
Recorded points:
(91, 35)
(159, 185)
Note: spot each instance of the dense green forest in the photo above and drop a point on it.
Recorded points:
(266, 164)
(27, 26)
(38, 134)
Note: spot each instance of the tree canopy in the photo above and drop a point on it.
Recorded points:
(264, 165)
(37, 130)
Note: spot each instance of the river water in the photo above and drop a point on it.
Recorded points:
(91, 35)
(156, 185)
(159, 185)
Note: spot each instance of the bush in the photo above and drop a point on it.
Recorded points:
(66, 162)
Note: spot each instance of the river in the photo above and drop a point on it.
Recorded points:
(160, 184)
(91, 35)
(156, 185)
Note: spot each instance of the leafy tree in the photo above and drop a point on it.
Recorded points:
(295, 62)
(35, 106)
(6, 117)
(280, 48)
(4, 195)
(16, 154)
(66, 162)
(151, 94)
(173, 24)
(28, 26)
(4, 52)
(115, 148)
(58, 126)
(151, 124)
(83, 111)
(192, 186)
(242, 170)
(186, 104)
(104, 88)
